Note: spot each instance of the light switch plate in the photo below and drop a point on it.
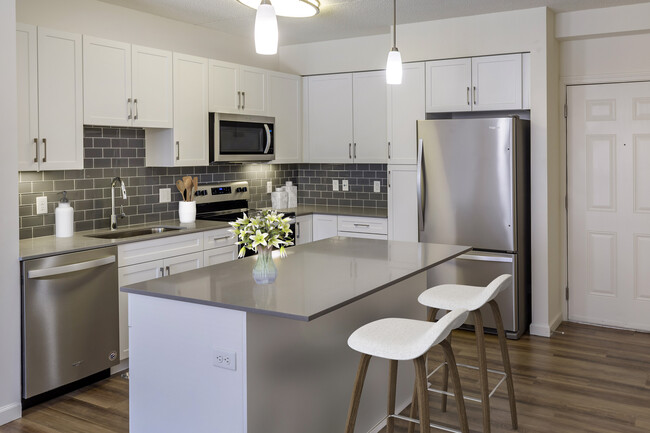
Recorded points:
(335, 185)
(41, 205)
(345, 184)
(164, 195)
(376, 186)
(269, 187)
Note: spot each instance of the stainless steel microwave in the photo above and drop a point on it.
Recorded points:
(240, 138)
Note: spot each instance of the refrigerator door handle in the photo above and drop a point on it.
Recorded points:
(485, 258)
(419, 175)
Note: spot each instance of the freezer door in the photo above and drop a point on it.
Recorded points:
(478, 268)
(466, 187)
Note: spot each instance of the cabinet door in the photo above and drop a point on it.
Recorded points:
(525, 81)
(496, 82)
(187, 262)
(27, 87)
(60, 100)
(152, 87)
(253, 84)
(284, 105)
(131, 275)
(402, 203)
(370, 110)
(219, 255)
(406, 106)
(107, 82)
(303, 234)
(224, 84)
(448, 85)
(190, 110)
(329, 118)
(324, 226)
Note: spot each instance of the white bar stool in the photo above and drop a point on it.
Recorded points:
(472, 298)
(402, 340)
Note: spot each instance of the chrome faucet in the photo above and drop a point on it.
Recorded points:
(115, 183)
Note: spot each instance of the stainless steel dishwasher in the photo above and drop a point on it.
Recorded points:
(70, 318)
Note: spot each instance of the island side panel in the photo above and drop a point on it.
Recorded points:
(300, 374)
(174, 385)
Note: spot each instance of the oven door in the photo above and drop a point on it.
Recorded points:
(241, 138)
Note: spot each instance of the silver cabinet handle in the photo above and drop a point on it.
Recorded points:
(221, 238)
(297, 230)
(355, 151)
(169, 272)
(128, 104)
(238, 100)
(389, 150)
(178, 150)
(67, 269)
(474, 95)
(36, 150)
(389, 178)
(135, 103)
(162, 271)
(350, 150)
(419, 175)
(44, 150)
(243, 104)
(361, 225)
(467, 95)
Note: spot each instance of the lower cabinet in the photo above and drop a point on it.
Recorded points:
(402, 203)
(219, 255)
(363, 227)
(304, 230)
(324, 226)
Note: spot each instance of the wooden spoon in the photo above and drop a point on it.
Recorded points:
(181, 187)
(188, 187)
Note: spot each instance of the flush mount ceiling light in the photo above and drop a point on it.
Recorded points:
(266, 29)
(289, 8)
(394, 61)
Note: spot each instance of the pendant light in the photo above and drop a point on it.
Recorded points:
(394, 61)
(266, 29)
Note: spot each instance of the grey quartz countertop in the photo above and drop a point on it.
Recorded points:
(51, 245)
(314, 279)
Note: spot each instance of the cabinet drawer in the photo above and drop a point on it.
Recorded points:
(362, 225)
(219, 255)
(146, 251)
(364, 235)
(218, 238)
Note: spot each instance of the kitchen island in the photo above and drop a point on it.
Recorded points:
(212, 351)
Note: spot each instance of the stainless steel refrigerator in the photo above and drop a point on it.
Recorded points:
(474, 189)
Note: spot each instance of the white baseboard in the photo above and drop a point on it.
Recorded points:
(10, 412)
(124, 365)
(541, 330)
(557, 321)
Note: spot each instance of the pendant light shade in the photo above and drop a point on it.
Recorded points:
(394, 61)
(266, 29)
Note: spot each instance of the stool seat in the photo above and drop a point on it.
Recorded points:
(453, 296)
(403, 339)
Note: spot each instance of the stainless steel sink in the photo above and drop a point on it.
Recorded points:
(121, 234)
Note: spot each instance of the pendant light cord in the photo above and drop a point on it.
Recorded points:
(394, 23)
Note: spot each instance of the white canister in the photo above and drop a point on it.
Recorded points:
(279, 199)
(63, 218)
(187, 211)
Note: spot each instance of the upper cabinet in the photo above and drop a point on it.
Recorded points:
(50, 99)
(238, 89)
(344, 117)
(126, 85)
(405, 107)
(475, 84)
(284, 105)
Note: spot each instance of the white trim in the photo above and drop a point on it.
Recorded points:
(540, 330)
(10, 412)
(568, 80)
(122, 366)
(557, 321)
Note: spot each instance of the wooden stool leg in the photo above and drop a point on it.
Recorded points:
(455, 379)
(482, 368)
(414, 406)
(356, 393)
(506, 362)
(392, 385)
(445, 379)
(423, 392)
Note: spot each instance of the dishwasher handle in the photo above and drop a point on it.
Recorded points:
(68, 269)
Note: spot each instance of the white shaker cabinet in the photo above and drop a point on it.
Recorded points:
(324, 226)
(187, 143)
(370, 108)
(50, 99)
(304, 230)
(219, 247)
(238, 89)
(402, 203)
(285, 107)
(362, 227)
(126, 85)
(449, 85)
(406, 105)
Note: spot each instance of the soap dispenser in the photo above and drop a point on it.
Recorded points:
(63, 217)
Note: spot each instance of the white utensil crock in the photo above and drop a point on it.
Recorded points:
(187, 211)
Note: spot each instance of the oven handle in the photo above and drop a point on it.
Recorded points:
(268, 138)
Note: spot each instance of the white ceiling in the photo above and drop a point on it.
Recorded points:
(343, 18)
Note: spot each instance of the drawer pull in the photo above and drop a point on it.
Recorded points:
(361, 225)
(220, 239)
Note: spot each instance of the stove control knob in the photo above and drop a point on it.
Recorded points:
(244, 189)
(238, 190)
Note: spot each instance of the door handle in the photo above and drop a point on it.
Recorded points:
(67, 269)
(135, 103)
(350, 150)
(36, 150)
(474, 95)
(389, 150)
(162, 272)
(239, 100)
(169, 272)
(44, 150)
(297, 230)
(389, 178)
(419, 176)
(178, 150)
(468, 95)
(130, 107)
(243, 104)
(355, 151)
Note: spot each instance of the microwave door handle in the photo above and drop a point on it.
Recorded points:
(268, 138)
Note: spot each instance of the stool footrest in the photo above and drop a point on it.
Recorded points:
(417, 421)
(472, 367)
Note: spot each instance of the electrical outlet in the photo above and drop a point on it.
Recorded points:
(344, 183)
(225, 359)
(164, 195)
(269, 187)
(335, 185)
(376, 186)
(41, 205)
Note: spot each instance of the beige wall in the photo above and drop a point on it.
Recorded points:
(104, 20)
(10, 287)
(517, 31)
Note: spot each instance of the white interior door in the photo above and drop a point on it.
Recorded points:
(608, 157)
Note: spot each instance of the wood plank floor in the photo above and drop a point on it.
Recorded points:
(583, 379)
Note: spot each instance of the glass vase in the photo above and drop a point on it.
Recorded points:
(264, 271)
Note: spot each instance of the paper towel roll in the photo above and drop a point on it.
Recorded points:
(279, 200)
